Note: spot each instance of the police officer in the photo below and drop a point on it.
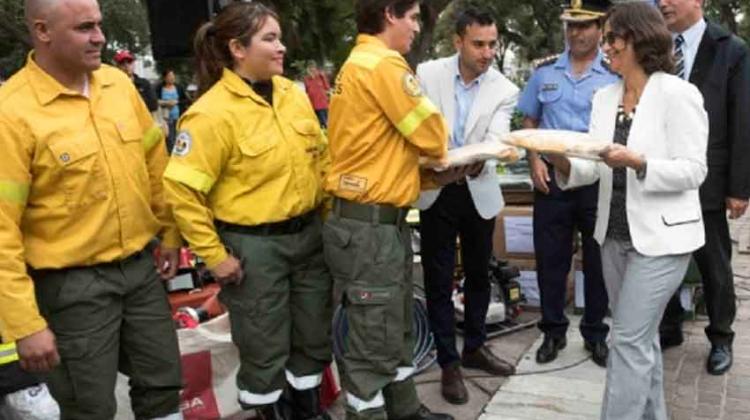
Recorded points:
(245, 183)
(80, 199)
(380, 124)
(558, 96)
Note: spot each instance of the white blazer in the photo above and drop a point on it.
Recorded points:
(670, 129)
(488, 118)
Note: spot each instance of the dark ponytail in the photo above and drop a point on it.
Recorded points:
(240, 21)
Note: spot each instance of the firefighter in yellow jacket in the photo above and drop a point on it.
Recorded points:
(80, 200)
(245, 182)
(380, 123)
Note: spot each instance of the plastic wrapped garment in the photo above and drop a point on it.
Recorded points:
(561, 142)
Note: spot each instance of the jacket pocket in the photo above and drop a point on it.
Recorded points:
(83, 179)
(681, 217)
(549, 96)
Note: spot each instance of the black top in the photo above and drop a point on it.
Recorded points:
(147, 92)
(617, 228)
(263, 88)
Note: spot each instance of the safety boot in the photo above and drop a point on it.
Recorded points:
(306, 405)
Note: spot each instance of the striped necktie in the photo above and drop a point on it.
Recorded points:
(679, 57)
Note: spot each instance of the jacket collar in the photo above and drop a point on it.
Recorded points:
(237, 86)
(563, 62)
(47, 88)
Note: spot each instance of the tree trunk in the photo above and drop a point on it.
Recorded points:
(430, 11)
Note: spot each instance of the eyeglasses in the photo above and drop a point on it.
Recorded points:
(609, 38)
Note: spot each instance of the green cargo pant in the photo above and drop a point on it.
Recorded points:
(372, 268)
(280, 313)
(109, 317)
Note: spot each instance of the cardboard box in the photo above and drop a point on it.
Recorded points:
(514, 233)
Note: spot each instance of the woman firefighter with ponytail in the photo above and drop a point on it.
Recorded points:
(244, 182)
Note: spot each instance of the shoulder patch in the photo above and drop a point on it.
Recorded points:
(411, 84)
(182, 144)
(545, 61)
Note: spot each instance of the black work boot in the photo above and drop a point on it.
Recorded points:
(306, 405)
(280, 410)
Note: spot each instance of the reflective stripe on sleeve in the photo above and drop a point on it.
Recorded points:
(15, 192)
(193, 178)
(151, 138)
(409, 124)
(8, 353)
(364, 59)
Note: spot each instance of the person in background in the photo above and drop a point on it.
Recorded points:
(125, 61)
(477, 102)
(718, 63)
(317, 86)
(558, 96)
(173, 102)
(381, 122)
(81, 200)
(649, 212)
(245, 181)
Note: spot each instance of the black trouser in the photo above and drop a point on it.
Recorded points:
(556, 215)
(714, 261)
(454, 214)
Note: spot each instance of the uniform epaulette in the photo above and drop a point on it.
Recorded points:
(545, 61)
(606, 64)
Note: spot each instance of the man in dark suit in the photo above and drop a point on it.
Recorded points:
(718, 63)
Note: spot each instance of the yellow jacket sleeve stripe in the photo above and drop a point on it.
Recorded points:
(14, 192)
(413, 119)
(152, 137)
(8, 353)
(365, 59)
(193, 178)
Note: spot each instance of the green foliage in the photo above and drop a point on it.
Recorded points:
(319, 30)
(124, 21)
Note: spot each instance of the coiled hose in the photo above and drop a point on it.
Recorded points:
(423, 355)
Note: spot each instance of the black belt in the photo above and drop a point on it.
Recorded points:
(285, 227)
(371, 213)
(149, 249)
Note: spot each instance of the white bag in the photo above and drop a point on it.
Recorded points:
(210, 362)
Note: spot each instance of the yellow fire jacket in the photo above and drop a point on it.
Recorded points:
(80, 182)
(380, 123)
(242, 161)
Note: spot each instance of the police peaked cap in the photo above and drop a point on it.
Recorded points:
(585, 10)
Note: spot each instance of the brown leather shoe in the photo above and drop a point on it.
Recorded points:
(452, 385)
(483, 359)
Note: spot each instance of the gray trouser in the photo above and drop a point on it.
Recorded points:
(371, 264)
(108, 317)
(639, 288)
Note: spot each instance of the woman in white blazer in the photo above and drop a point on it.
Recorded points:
(649, 215)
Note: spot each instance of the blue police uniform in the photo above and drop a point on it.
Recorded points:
(558, 100)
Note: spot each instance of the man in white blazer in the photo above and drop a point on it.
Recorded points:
(477, 102)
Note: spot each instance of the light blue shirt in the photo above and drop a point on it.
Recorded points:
(558, 100)
(464, 94)
(692, 37)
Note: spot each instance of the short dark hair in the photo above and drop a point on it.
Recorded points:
(470, 17)
(371, 13)
(643, 26)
